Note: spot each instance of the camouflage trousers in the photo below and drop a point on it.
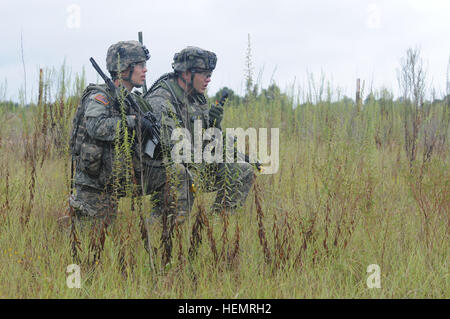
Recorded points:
(175, 185)
(92, 204)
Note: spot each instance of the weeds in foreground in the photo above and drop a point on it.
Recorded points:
(347, 195)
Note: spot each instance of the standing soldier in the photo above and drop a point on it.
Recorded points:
(177, 100)
(94, 133)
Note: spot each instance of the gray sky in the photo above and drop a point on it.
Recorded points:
(344, 39)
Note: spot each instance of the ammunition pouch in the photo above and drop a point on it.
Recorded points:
(90, 159)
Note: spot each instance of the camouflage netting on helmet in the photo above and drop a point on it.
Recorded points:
(125, 53)
(194, 58)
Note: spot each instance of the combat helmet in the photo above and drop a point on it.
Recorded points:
(194, 59)
(124, 54)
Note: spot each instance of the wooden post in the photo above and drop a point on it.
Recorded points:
(358, 94)
(41, 102)
(41, 86)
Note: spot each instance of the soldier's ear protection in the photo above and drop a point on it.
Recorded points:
(212, 60)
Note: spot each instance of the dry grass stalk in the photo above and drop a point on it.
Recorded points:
(286, 241)
(209, 231)
(196, 236)
(30, 159)
(166, 238)
(327, 222)
(433, 202)
(224, 236)
(144, 233)
(179, 236)
(97, 241)
(307, 237)
(145, 236)
(6, 206)
(169, 216)
(42, 105)
(261, 231)
(121, 258)
(233, 256)
(277, 243)
(75, 244)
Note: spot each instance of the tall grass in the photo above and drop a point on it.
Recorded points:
(346, 195)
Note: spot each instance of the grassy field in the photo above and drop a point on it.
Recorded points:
(356, 186)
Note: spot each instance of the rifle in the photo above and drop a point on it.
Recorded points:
(147, 120)
(221, 103)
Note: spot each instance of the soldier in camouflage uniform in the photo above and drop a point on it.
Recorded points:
(177, 99)
(94, 131)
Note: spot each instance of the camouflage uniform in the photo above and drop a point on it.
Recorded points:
(93, 136)
(174, 108)
(93, 176)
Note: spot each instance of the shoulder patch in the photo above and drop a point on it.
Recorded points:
(102, 99)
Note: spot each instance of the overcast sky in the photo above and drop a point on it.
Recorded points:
(344, 39)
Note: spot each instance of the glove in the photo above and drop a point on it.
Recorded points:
(215, 116)
(146, 129)
(131, 121)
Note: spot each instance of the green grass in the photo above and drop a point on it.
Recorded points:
(345, 197)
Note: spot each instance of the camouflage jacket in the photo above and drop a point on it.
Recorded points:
(174, 108)
(96, 137)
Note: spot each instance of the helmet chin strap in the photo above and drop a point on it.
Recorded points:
(189, 85)
(192, 81)
(130, 75)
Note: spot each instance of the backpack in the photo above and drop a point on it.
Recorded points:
(78, 132)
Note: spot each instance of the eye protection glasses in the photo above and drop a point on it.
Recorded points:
(141, 64)
(205, 74)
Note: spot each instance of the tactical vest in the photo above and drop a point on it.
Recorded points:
(163, 79)
(158, 83)
(143, 104)
(164, 82)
